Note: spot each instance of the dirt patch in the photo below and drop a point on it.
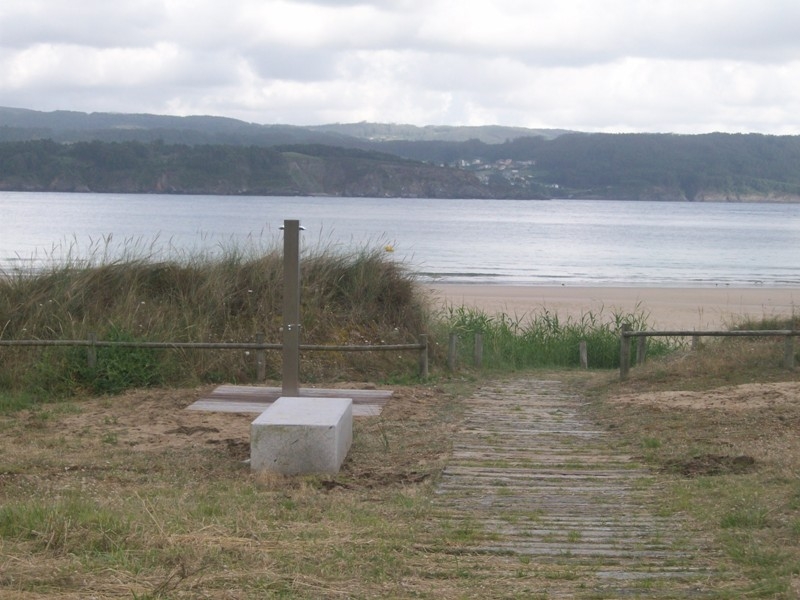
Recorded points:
(374, 479)
(170, 489)
(155, 422)
(184, 430)
(711, 464)
(706, 432)
(236, 449)
(148, 420)
(730, 398)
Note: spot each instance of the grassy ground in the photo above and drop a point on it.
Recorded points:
(132, 496)
(720, 428)
(135, 497)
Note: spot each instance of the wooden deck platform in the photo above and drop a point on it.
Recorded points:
(256, 399)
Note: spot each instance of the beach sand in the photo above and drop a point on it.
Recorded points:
(701, 309)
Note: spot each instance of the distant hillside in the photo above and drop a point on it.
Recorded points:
(135, 167)
(204, 154)
(18, 124)
(384, 132)
(710, 167)
(67, 126)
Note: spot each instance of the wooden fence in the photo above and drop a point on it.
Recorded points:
(627, 336)
(259, 347)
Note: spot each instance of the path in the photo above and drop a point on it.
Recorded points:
(546, 484)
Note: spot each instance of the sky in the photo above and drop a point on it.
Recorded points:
(679, 66)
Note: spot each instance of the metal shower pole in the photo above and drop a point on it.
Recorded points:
(291, 308)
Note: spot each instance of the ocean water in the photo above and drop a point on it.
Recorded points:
(554, 242)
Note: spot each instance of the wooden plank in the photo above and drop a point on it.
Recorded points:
(256, 408)
(253, 393)
(256, 399)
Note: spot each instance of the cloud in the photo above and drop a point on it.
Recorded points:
(616, 65)
(86, 23)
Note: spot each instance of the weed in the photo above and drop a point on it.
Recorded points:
(71, 525)
(12, 401)
(745, 517)
(109, 438)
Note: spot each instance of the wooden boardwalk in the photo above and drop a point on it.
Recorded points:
(542, 482)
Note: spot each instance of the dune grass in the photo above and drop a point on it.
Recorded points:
(355, 298)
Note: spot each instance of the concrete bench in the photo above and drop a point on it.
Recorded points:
(302, 435)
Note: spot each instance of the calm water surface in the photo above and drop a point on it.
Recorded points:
(571, 242)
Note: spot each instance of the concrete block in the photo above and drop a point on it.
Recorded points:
(302, 435)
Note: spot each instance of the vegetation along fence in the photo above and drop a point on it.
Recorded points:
(259, 347)
(627, 336)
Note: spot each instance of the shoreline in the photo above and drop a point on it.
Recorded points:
(685, 308)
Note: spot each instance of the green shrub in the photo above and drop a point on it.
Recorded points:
(544, 340)
(119, 368)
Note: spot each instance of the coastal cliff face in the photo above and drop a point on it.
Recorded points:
(305, 178)
(778, 198)
(384, 179)
(221, 170)
(311, 176)
(676, 194)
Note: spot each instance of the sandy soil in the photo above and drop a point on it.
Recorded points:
(701, 309)
(750, 396)
(153, 420)
(156, 419)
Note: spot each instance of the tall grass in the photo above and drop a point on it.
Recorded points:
(358, 297)
(542, 339)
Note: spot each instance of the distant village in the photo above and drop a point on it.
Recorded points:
(520, 173)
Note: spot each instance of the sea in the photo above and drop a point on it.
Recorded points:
(511, 242)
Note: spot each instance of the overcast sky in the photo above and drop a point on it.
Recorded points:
(684, 66)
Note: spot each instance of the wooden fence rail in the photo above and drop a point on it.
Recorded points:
(626, 335)
(259, 347)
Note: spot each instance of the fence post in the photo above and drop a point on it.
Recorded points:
(788, 352)
(624, 352)
(584, 351)
(91, 350)
(423, 357)
(261, 358)
(695, 342)
(478, 351)
(641, 350)
(452, 347)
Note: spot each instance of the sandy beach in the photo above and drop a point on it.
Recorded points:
(701, 309)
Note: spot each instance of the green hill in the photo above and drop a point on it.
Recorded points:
(69, 151)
